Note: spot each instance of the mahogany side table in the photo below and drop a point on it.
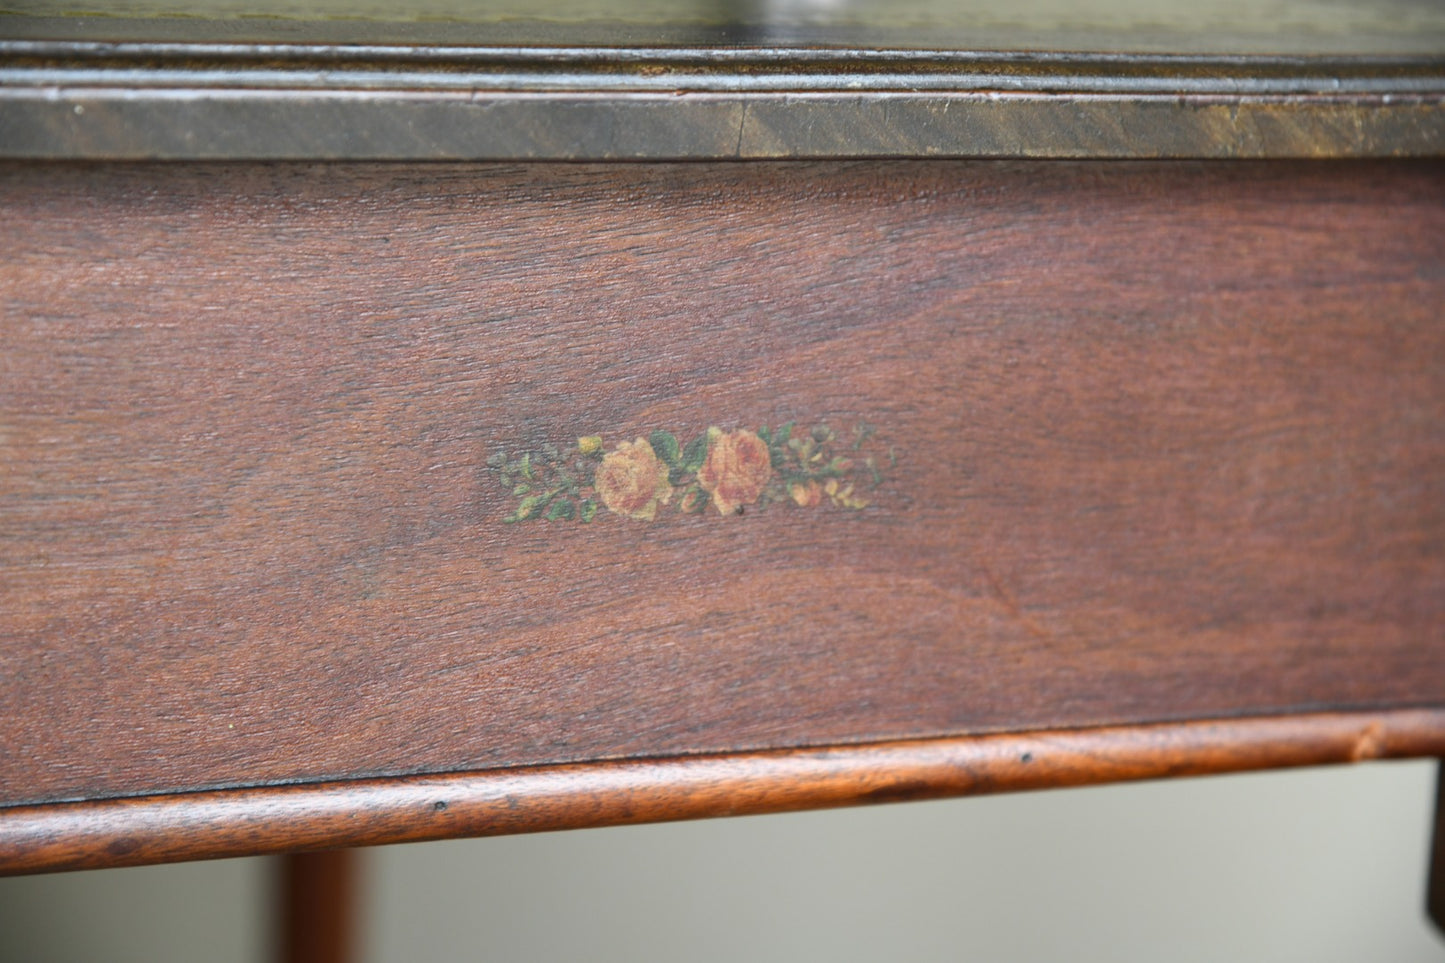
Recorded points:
(517, 419)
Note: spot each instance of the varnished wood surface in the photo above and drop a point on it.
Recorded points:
(370, 812)
(1168, 446)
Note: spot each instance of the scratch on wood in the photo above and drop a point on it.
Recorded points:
(742, 124)
(1369, 744)
(1012, 605)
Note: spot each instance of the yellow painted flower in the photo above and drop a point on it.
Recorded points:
(806, 494)
(589, 444)
(737, 469)
(843, 496)
(632, 480)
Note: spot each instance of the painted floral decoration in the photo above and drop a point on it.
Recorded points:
(729, 470)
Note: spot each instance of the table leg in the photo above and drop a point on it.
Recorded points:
(317, 906)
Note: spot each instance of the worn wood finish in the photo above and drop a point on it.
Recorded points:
(369, 812)
(1169, 446)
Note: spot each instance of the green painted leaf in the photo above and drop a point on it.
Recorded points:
(532, 506)
(695, 453)
(766, 434)
(522, 489)
(525, 466)
(587, 510)
(664, 443)
(784, 433)
(561, 509)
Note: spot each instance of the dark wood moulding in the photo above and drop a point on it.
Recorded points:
(368, 812)
(231, 100)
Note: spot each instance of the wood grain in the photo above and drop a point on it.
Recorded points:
(1169, 443)
(207, 825)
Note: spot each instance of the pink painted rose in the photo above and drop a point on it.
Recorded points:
(737, 469)
(632, 480)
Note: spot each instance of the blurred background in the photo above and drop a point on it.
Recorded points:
(1311, 865)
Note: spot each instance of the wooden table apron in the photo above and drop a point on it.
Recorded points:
(437, 494)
